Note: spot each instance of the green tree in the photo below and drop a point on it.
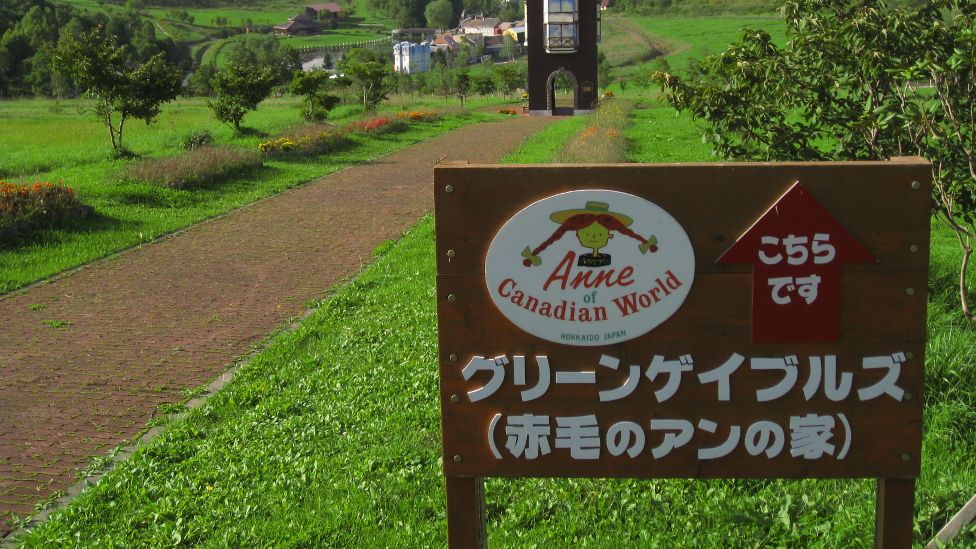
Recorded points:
(238, 89)
(440, 14)
(367, 75)
(315, 87)
(511, 77)
(120, 90)
(264, 50)
(461, 83)
(199, 83)
(484, 83)
(510, 47)
(847, 86)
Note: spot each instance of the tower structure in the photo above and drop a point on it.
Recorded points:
(562, 38)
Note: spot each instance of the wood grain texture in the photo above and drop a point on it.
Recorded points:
(895, 513)
(465, 513)
(882, 312)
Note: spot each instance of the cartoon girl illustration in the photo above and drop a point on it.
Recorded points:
(594, 226)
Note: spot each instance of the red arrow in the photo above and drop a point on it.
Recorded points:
(796, 248)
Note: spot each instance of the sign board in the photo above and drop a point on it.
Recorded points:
(710, 321)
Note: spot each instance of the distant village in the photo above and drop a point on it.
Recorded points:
(413, 47)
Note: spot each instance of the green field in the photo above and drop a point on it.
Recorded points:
(684, 38)
(50, 141)
(330, 437)
(334, 37)
(308, 448)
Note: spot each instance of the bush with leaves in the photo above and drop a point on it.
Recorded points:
(238, 89)
(195, 139)
(315, 86)
(857, 80)
(27, 206)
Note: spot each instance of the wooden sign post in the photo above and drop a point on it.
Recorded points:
(682, 321)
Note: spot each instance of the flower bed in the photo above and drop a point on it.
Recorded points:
(418, 116)
(306, 140)
(196, 168)
(380, 124)
(25, 207)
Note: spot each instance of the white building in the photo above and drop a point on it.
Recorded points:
(411, 58)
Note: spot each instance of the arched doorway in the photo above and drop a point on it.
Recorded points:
(558, 101)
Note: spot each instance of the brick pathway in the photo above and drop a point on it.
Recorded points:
(145, 325)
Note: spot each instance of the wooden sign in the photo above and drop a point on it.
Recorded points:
(636, 321)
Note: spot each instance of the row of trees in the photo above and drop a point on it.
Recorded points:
(443, 14)
(123, 90)
(857, 80)
(32, 30)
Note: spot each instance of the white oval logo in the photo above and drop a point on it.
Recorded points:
(590, 267)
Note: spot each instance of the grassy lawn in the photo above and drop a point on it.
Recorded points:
(684, 38)
(307, 447)
(334, 37)
(46, 141)
(330, 437)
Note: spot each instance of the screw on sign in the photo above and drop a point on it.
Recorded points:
(796, 248)
(594, 332)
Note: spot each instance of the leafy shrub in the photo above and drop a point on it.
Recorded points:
(27, 206)
(196, 139)
(196, 168)
(306, 140)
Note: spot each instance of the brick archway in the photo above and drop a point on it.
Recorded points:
(551, 89)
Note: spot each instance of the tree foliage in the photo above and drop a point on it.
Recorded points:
(237, 89)
(368, 76)
(121, 90)
(315, 87)
(856, 80)
(264, 50)
(31, 30)
(440, 14)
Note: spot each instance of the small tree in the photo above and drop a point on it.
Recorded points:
(510, 78)
(120, 90)
(484, 83)
(238, 89)
(461, 83)
(367, 75)
(510, 47)
(315, 87)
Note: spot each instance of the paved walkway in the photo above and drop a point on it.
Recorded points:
(145, 325)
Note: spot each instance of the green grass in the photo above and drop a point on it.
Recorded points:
(686, 38)
(307, 447)
(659, 134)
(47, 141)
(544, 145)
(699, 36)
(334, 37)
(330, 437)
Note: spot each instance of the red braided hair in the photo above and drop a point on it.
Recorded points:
(581, 221)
